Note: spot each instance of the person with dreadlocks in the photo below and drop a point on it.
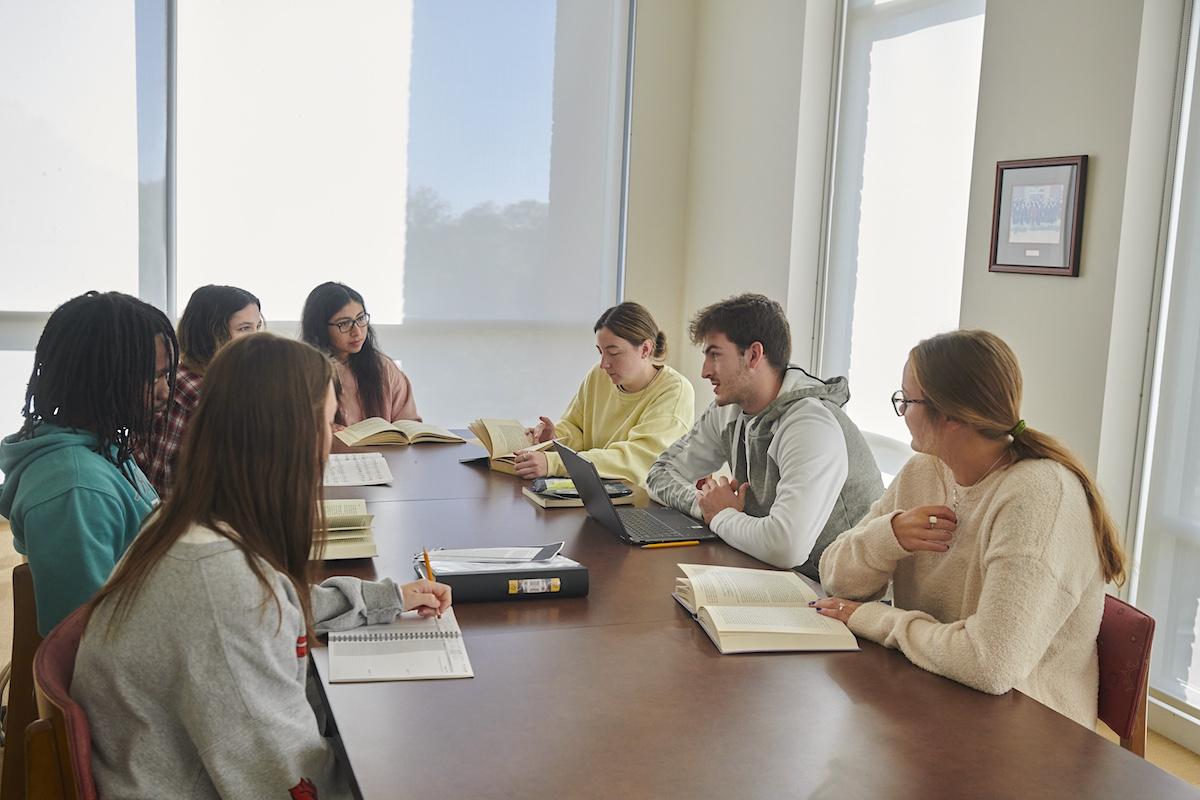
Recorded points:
(214, 316)
(72, 492)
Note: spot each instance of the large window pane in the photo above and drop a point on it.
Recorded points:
(456, 162)
(69, 164)
(906, 130)
(1168, 582)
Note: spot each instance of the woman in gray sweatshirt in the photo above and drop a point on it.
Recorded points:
(193, 666)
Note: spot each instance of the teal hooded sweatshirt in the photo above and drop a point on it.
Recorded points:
(73, 514)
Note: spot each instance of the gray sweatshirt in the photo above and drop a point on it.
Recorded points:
(201, 691)
(811, 473)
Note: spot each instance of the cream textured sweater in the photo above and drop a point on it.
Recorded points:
(1015, 603)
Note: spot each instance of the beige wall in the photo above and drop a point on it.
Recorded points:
(713, 161)
(727, 185)
(1101, 84)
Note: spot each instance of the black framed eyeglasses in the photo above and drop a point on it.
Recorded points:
(901, 403)
(344, 325)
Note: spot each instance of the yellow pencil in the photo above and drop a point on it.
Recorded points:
(429, 572)
(670, 544)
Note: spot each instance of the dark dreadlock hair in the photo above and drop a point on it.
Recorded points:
(94, 371)
(365, 365)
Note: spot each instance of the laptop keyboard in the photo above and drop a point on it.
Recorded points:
(640, 524)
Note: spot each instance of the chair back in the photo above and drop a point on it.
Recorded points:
(22, 707)
(59, 745)
(1123, 645)
(890, 454)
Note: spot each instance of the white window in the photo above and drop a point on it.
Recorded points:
(1167, 585)
(68, 170)
(458, 163)
(902, 173)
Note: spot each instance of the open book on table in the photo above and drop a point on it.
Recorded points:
(347, 532)
(503, 439)
(376, 430)
(757, 610)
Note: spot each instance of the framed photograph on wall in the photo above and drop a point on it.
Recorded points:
(1037, 219)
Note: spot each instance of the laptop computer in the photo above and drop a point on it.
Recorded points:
(633, 525)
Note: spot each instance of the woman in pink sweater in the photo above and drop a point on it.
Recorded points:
(994, 536)
(369, 384)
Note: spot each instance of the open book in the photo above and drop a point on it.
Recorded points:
(410, 649)
(403, 431)
(347, 531)
(503, 439)
(757, 610)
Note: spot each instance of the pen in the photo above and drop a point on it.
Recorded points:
(429, 573)
(670, 544)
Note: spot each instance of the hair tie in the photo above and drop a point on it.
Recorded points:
(1017, 429)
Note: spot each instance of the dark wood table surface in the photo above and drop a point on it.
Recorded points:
(621, 694)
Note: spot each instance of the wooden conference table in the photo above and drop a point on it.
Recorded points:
(621, 694)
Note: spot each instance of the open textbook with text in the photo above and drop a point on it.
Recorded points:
(376, 430)
(347, 532)
(757, 610)
(503, 439)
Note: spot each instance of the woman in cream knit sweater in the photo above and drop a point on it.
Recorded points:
(994, 536)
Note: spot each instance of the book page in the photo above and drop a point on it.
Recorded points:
(412, 429)
(775, 619)
(711, 585)
(507, 435)
(356, 469)
(347, 515)
(354, 434)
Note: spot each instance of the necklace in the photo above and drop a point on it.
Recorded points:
(955, 497)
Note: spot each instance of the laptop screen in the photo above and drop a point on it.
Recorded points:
(591, 489)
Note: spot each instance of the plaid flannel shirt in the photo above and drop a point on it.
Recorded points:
(158, 459)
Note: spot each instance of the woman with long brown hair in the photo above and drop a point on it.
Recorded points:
(193, 665)
(995, 538)
(214, 316)
(629, 409)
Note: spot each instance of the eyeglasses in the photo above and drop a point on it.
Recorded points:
(901, 403)
(344, 325)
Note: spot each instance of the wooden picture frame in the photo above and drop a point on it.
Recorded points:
(1037, 216)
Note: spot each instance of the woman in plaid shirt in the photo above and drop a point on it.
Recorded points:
(215, 315)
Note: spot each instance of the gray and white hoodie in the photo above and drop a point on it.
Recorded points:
(811, 473)
(201, 691)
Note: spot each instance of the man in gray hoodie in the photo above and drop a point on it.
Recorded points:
(802, 472)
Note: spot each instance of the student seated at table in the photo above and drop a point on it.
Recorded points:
(214, 315)
(72, 493)
(802, 472)
(369, 384)
(629, 408)
(192, 669)
(996, 540)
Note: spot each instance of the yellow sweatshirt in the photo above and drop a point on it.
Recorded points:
(623, 432)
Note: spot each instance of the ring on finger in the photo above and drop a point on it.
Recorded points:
(841, 606)
(932, 521)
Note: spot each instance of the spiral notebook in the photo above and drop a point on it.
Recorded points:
(413, 648)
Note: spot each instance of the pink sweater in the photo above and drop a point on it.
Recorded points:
(398, 402)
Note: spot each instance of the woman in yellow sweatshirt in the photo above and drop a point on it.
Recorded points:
(628, 410)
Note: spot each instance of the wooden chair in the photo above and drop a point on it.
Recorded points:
(58, 746)
(22, 707)
(1124, 649)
